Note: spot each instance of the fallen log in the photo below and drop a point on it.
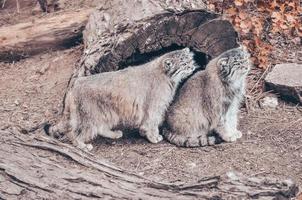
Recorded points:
(121, 31)
(49, 33)
(38, 167)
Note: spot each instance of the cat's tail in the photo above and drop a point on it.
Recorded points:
(58, 130)
(183, 140)
(53, 131)
(34, 128)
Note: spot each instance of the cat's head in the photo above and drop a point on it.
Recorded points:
(234, 64)
(179, 64)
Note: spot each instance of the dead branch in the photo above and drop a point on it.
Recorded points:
(40, 167)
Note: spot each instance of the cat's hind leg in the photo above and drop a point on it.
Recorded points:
(82, 137)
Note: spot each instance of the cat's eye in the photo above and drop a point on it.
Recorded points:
(223, 62)
(168, 63)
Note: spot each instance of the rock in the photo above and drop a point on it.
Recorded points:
(286, 79)
(269, 102)
(16, 102)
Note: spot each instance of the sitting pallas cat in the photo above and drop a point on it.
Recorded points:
(132, 98)
(209, 102)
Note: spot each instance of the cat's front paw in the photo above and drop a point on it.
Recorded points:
(155, 138)
(117, 134)
(89, 147)
(151, 134)
(84, 147)
(231, 136)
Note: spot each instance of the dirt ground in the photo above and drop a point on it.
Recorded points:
(29, 10)
(31, 91)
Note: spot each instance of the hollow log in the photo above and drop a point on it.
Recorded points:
(50, 33)
(120, 29)
(38, 167)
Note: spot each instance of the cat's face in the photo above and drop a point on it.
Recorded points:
(234, 64)
(179, 64)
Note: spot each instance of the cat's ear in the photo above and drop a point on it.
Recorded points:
(168, 64)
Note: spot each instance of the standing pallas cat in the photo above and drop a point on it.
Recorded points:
(209, 102)
(133, 98)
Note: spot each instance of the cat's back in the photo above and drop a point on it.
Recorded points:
(124, 78)
(191, 90)
(196, 97)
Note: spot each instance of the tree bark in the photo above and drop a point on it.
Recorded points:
(38, 167)
(119, 29)
(56, 32)
(43, 5)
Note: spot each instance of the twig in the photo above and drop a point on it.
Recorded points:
(3, 4)
(261, 95)
(261, 77)
(264, 117)
(297, 148)
(247, 106)
(298, 107)
(63, 82)
(18, 6)
(291, 124)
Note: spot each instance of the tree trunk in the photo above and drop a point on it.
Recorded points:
(56, 32)
(37, 167)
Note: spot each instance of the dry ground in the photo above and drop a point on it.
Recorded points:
(31, 91)
(28, 10)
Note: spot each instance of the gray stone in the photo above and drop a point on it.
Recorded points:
(269, 102)
(286, 79)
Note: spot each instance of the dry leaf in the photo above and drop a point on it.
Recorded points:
(238, 3)
(276, 16)
(249, 18)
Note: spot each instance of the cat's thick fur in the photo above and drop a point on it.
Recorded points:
(132, 98)
(209, 102)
